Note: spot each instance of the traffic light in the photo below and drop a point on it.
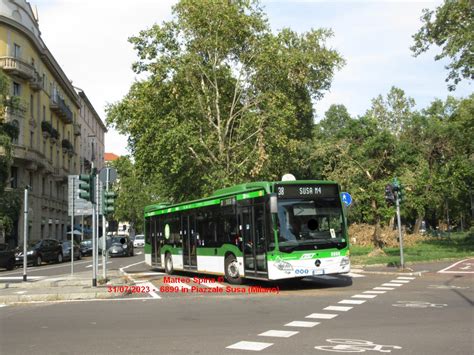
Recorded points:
(109, 202)
(389, 195)
(86, 187)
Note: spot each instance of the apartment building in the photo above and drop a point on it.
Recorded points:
(53, 123)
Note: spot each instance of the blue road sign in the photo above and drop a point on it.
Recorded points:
(346, 198)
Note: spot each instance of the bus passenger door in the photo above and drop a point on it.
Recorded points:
(189, 242)
(156, 242)
(252, 228)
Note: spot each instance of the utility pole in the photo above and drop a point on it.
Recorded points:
(94, 254)
(398, 192)
(72, 229)
(25, 233)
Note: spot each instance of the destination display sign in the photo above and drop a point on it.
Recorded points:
(305, 191)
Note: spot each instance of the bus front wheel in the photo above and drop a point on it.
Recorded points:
(169, 264)
(232, 270)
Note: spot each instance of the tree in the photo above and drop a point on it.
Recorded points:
(225, 100)
(133, 194)
(10, 202)
(452, 28)
(363, 154)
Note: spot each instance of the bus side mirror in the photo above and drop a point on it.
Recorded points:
(273, 203)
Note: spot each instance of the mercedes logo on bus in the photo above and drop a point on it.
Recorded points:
(317, 263)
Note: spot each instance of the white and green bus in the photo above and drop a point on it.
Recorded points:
(259, 230)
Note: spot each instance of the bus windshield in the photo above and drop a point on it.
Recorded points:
(310, 222)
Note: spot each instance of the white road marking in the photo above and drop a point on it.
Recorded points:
(364, 296)
(400, 281)
(406, 278)
(445, 270)
(353, 275)
(126, 267)
(322, 316)
(375, 292)
(148, 274)
(391, 284)
(338, 308)
(41, 268)
(302, 324)
(278, 333)
(21, 277)
(108, 262)
(384, 288)
(20, 292)
(352, 301)
(2, 305)
(152, 289)
(249, 345)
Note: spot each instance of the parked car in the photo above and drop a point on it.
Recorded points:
(66, 244)
(139, 241)
(121, 246)
(7, 257)
(86, 247)
(39, 251)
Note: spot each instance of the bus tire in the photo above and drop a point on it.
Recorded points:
(232, 274)
(169, 264)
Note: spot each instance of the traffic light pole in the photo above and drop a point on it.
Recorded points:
(72, 230)
(96, 182)
(400, 235)
(105, 252)
(94, 254)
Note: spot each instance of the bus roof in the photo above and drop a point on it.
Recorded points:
(267, 186)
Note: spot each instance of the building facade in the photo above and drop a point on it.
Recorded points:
(46, 108)
(92, 135)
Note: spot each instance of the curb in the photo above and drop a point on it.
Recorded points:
(53, 297)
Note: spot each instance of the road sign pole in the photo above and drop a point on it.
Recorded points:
(25, 234)
(104, 251)
(72, 230)
(96, 182)
(400, 235)
(94, 255)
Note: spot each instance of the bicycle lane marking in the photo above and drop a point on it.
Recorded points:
(148, 284)
(467, 267)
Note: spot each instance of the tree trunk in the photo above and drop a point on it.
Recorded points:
(376, 238)
(418, 221)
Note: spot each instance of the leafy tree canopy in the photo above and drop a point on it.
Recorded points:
(225, 99)
(450, 27)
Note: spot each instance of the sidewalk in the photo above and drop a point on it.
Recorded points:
(64, 287)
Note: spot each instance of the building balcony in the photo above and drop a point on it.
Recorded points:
(17, 67)
(15, 108)
(58, 105)
(36, 82)
(77, 129)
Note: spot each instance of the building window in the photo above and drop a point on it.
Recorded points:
(16, 89)
(51, 152)
(17, 125)
(32, 137)
(44, 81)
(16, 50)
(14, 177)
(50, 188)
(43, 186)
(44, 113)
(31, 180)
(32, 101)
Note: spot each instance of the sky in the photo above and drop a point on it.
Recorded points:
(89, 40)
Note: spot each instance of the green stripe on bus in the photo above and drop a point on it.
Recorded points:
(190, 206)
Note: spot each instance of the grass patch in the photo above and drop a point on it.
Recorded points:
(458, 245)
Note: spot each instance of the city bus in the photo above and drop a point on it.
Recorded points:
(258, 230)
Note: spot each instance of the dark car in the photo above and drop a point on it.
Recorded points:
(7, 257)
(67, 250)
(39, 251)
(121, 246)
(86, 247)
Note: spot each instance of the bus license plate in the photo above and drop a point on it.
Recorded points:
(318, 272)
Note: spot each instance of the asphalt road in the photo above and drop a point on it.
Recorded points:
(401, 314)
(51, 270)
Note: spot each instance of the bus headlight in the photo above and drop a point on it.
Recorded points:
(345, 261)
